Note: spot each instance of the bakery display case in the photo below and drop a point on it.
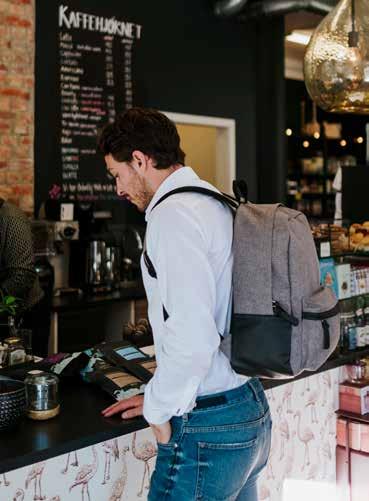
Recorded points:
(346, 238)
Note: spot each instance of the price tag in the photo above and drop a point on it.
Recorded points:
(66, 212)
(325, 249)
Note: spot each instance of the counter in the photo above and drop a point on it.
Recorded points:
(100, 315)
(60, 304)
(80, 423)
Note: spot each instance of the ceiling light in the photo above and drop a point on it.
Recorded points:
(343, 143)
(360, 140)
(306, 144)
(335, 62)
(288, 132)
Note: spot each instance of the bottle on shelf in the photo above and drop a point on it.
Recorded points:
(345, 333)
(360, 322)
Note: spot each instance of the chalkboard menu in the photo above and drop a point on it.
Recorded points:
(90, 81)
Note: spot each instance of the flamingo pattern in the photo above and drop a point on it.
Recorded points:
(5, 481)
(130, 474)
(35, 475)
(75, 462)
(144, 451)
(110, 449)
(19, 495)
(85, 474)
(306, 411)
(120, 484)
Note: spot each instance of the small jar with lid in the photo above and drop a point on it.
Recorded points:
(42, 395)
(16, 353)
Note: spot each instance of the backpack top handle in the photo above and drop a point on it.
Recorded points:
(240, 191)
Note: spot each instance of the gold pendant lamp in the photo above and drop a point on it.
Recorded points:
(336, 65)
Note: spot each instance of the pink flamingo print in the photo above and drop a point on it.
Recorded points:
(314, 468)
(290, 458)
(330, 423)
(306, 386)
(35, 475)
(311, 402)
(85, 474)
(285, 436)
(327, 382)
(305, 437)
(6, 482)
(75, 462)
(287, 397)
(120, 484)
(19, 495)
(327, 453)
(144, 452)
(279, 410)
(110, 449)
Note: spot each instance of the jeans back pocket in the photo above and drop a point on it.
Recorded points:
(223, 469)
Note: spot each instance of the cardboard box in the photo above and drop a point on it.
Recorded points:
(354, 397)
(358, 435)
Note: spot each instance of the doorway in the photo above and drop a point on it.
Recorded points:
(210, 147)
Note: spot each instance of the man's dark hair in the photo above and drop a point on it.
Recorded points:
(146, 130)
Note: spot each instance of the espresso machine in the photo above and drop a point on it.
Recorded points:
(95, 259)
(102, 266)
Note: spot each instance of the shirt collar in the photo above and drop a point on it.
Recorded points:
(184, 176)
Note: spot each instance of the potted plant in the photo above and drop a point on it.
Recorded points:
(8, 310)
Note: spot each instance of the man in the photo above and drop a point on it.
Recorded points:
(18, 277)
(212, 427)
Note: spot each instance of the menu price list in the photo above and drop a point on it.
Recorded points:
(95, 81)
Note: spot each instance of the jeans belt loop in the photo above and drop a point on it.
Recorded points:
(251, 384)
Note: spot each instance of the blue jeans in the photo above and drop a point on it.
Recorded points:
(217, 451)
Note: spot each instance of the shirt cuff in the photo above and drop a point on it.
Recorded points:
(159, 415)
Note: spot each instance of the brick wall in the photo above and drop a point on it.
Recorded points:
(17, 42)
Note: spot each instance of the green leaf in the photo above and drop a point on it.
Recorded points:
(10, 300)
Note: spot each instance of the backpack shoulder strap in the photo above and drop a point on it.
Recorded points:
(231, 202)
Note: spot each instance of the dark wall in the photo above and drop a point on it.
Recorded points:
(188, 61)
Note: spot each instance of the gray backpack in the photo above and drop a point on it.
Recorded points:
(284, 321)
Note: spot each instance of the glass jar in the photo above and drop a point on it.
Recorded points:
(42, 395)
(3, 355)
(16, 354)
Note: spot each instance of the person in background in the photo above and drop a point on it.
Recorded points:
(18, 277)
(212, 426)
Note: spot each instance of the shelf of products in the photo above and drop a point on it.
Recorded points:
(312, 166)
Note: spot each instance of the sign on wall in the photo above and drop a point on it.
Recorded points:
(90, 81)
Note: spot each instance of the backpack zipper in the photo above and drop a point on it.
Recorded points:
(280, 312)
(308, 315)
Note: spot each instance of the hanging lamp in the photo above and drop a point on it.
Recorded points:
(336, 65)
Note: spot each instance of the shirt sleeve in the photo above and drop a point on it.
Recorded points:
(18, 274)
(179, 251)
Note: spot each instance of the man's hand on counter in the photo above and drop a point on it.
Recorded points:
(130, 408)
(133, 407)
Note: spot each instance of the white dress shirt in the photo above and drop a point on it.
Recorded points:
(189, 241)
